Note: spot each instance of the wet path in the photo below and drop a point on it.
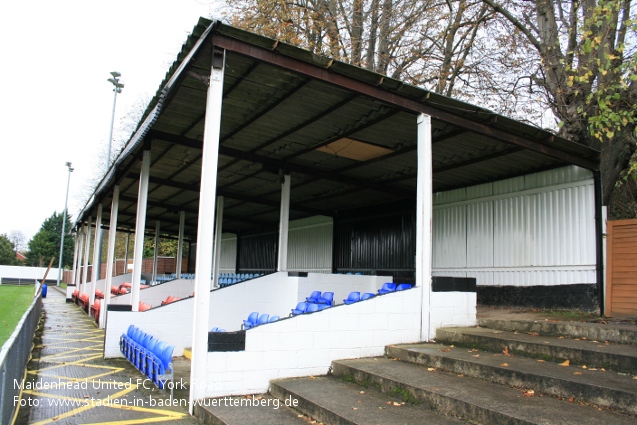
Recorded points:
(69, 382)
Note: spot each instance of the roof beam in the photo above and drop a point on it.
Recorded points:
(392, 98)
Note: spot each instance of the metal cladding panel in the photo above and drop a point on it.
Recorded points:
(450, 196)
(258, 252)
(510, 232)
(570, 174)
(502, 187)
(310, 244)
(544, 235)
(564, 227)
(228, 252)
(450, 237)
(379, 243)
(480, 234)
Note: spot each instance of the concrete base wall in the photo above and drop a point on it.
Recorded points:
(307, 344)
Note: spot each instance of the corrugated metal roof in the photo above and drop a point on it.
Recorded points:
(280, 103)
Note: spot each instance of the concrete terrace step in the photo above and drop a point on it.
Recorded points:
(336, 402)
(472, 399)
(611, 332)
(602, 388)
(240, 410)
(592, 353)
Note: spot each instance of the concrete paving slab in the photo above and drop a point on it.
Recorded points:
(69, 382)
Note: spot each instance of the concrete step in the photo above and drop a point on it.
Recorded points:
(621, 333)
(336, 402)
(590, 353)
(239, 410)
(472, 399)
(594, 386)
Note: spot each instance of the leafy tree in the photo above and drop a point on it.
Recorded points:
(7, 252)
(586, 70)
(46, 242)
(522, 58)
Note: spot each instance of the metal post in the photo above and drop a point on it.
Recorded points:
(66, 200)
(284, 223)
(156, 253)
(95, 273)
(207, 198)
(112, 233)
(180, 243)
(87, 247)
(217, 246)
(140, 224)
(424, 196)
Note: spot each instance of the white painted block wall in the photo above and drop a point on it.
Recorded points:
(307, 344)
(452, 309)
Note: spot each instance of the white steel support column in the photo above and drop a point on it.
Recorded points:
(95, 273)
(126, 252)
(156, 251)
(180, 243)
(74, 263)
(80, 253)
(217, 247)
(207, 198)
(87, 247)
(424, 196)
(112, 234)
(284, 224)
(140, 223)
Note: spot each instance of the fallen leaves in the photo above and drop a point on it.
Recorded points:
(541, 361)
(504, 365)
(445, 350)
(577, 373)
(533, 333)
(566, 363)
(431, 369)
(506, 351)
(528, 393)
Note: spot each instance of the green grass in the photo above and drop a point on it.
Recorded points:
(14, 301)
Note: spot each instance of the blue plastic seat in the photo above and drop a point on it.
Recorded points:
(403, 286)
(300, 309)
(263, 319)
(323, 306)
(251, 321)
(273, 319)
(311, 308)
(316, 295)
(387, 287)
(327, 298)
(352, 298)
(366, 296)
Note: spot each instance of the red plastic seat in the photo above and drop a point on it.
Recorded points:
(95, 309)
(143, 306)
(99, 294)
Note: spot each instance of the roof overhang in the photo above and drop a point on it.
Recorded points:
(282, 106)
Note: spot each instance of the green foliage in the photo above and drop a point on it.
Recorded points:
(7, 252)
(46, 243)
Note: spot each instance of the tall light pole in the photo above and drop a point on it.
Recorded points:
(66, 200)
(117, 89)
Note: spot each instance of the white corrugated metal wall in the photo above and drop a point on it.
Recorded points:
(537, 229)
(228, 253)
(310, 245)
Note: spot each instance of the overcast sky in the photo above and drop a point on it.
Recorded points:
(55, 103)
